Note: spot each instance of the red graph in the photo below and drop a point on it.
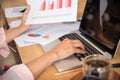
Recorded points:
(59, 3)
(43, 6)
(51, 6)
(55, 4)
(68, 3)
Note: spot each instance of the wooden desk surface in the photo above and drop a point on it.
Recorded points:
(31, 52)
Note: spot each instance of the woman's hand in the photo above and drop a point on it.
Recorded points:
(24, 18)
(67, 47)
(14, 32)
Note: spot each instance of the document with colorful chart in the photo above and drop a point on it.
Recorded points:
(52, 11)
(45, 33)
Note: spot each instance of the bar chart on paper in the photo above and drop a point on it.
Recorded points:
(54, 4)
(52, 11)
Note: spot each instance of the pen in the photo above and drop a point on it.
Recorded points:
(23, 10)
(34, 35)
(116, 65)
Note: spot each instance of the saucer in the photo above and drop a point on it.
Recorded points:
(112, 76)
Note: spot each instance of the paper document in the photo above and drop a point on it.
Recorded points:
(44, 34)
(20, 43)
(52, 11)
(14, 11)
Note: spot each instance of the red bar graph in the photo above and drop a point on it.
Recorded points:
(51, 6)
(55, 4)
(43, 6)
(59, 3)
(68, 3)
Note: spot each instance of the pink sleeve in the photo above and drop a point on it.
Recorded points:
(18, 72)
(0, 77)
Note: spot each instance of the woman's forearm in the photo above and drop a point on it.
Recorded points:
(38, 65)
(14, 32)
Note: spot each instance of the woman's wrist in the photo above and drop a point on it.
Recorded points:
(22, 28)
(53, 55)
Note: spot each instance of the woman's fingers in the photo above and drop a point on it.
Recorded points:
(25, 14)
(77, 50)
(75, 45)
(78, 44)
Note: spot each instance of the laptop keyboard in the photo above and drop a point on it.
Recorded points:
(89, 49)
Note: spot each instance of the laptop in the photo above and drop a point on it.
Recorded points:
(97, 40)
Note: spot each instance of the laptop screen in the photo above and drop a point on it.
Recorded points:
(102, 28)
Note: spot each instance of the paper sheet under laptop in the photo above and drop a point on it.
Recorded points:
(47, 32)
(52, 11)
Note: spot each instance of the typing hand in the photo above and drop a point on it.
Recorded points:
(68, 47)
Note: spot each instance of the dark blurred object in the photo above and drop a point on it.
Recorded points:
(111, 26)
(116, 65)
(23, 10)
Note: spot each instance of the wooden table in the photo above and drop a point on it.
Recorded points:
(31, 52)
